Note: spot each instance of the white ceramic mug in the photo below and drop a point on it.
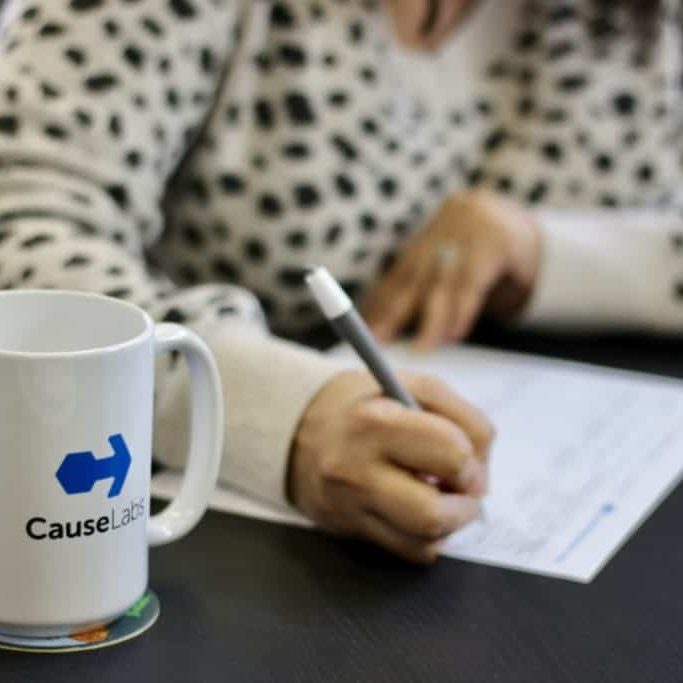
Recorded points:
(76, 405)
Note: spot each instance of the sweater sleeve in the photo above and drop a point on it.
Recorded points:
(609, 270)
(98, 103)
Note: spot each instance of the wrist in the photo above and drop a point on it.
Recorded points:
(318, 419)
(523, 237)
(530, 265)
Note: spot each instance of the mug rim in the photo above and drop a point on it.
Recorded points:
(75, 294)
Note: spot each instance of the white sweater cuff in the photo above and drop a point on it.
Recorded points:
(268, 384)
(610, 271)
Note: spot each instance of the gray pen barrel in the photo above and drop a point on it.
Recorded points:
(353, 329)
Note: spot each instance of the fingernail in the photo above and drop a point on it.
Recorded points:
(468, 510)
(449, 505)
(468, 473)
(471, 478)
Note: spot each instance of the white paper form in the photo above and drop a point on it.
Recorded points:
(582, 456)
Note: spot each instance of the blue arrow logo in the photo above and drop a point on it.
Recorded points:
(79, 472)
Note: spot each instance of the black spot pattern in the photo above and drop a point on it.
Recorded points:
(296, 151)
(572, 83)
(84, 118)
(292, 55)
(75, 55)
(183, 9)
(9, 124)
(51, 30)
(134, 55)
(118, 292)
(152, 27)
(281, 16)
(101, 83)
(225, 269)
(299, 109)
(175, 315)
(270, 205)
(264, 113)
(297, 239)
(49, 91)
(56, 132)
(232, 183)
(625, 103)
(119, 194)
(36, 241)
(86, 5)
(321, 157)
(307, 196)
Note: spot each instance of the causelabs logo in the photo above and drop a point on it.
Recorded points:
(79, 472)
(77, 475)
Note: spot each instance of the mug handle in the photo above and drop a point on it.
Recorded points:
(201, 473)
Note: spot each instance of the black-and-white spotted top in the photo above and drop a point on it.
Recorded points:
(188, 154)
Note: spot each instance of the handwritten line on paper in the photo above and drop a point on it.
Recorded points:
(606, 509)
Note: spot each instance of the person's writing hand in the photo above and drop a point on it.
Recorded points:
(361, 463)
(480, 253)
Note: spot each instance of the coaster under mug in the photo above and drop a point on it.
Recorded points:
(136, 621)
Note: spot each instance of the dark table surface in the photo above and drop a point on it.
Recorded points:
(247, 601)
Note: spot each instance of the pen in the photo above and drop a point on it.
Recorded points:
(340, 312)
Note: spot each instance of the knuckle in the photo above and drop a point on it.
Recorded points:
(338, 523)
(375, 493)
(334, 468)
(321, 508)
(370, 416)
(323, 514)
(481, 430)
(425, 384)
(449, 442)
(462, 444)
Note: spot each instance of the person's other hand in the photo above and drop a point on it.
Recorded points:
(365, 466)
(480, 253)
